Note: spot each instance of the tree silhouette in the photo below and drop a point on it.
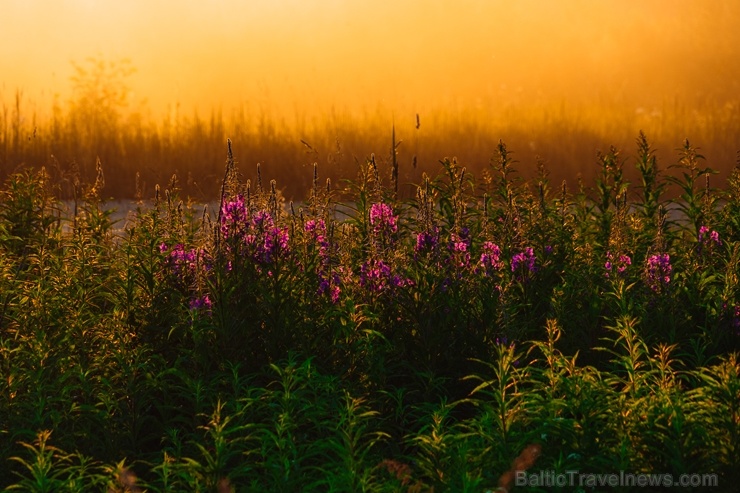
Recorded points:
(100, 94)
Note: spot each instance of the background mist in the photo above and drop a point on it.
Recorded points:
(340, 74)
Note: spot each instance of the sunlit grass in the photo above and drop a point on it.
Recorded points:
(69, 138)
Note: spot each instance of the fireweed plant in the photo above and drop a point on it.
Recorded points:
(439, 344)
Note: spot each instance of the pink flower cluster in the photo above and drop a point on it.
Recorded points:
(330, 285)
(234, 217)
(426, 241)
(258, 232)
(317, 229)
(659, 271)
(490, 259)
(329, 280)
(619, 264)
(523, 264)
(269, 240)
(708, 240)
(382, 219)
(202, 303)
(185, 263)
(376, 276)
(459, 247)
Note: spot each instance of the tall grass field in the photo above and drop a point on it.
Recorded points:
(102, 120)
(465, 332)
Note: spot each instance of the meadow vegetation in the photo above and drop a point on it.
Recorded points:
(486, 324)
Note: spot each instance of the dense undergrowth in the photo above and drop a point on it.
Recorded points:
(440, 344)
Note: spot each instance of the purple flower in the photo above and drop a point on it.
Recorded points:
(548, 249)
(327, 283)
(398, 282)
(708, 239)
(262, 219)
(256, 236)
(201, 303)
(621, 263)
(330, 285)
(182, 262)
(234, 215)
(659, 271)
(270, 240)
(323, 286)
(524, 263)
(314, 226)
(490, 259)
(371, 275)
(274, 243)
(317, 230)
(458, 245)
(459, 248)
(426, 241)
(624, 261)
(335, 291)
(376, 275)
(382, 219)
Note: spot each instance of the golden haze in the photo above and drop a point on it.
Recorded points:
(326, 71)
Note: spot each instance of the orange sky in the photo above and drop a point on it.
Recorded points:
(288, 56)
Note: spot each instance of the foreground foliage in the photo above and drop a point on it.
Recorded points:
(435, 345)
